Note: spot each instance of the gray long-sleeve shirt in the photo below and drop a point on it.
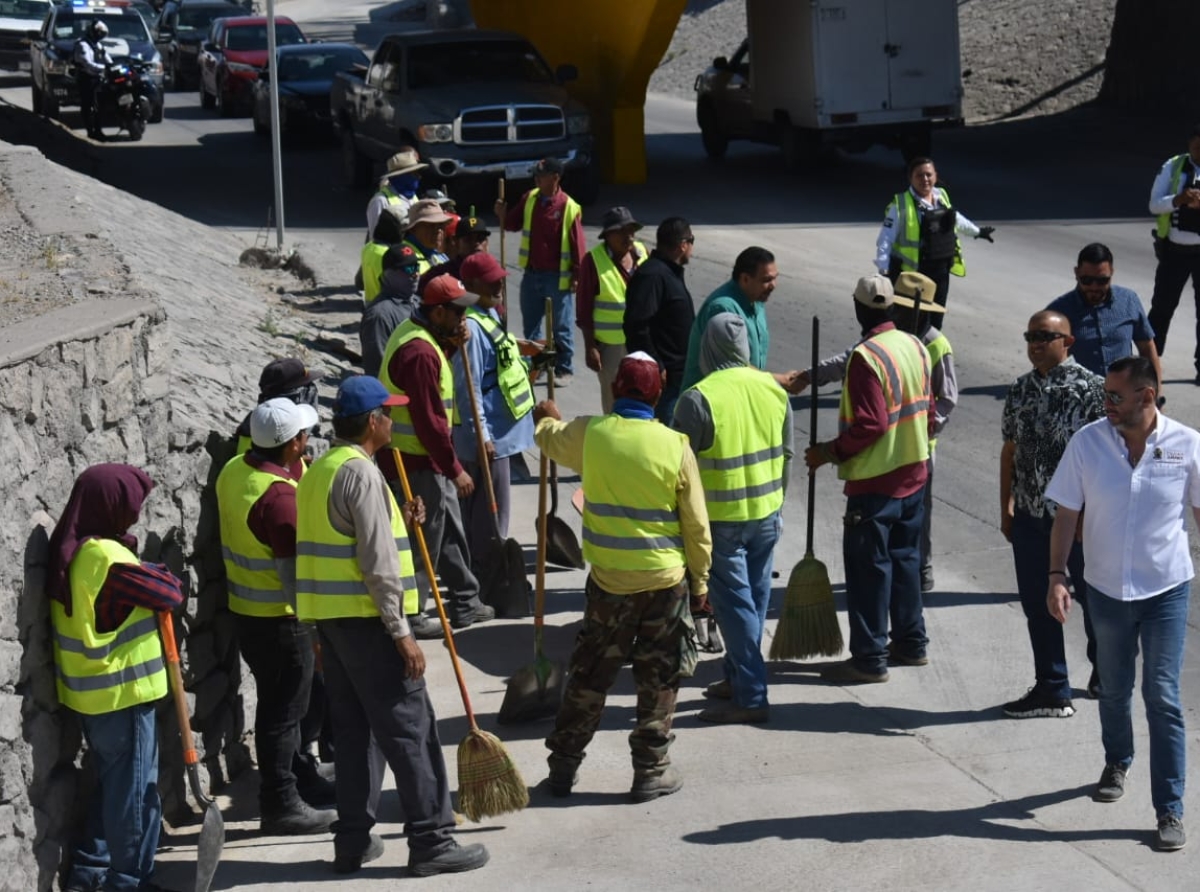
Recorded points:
(360, 507)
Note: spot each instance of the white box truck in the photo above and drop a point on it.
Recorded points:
(850, 73)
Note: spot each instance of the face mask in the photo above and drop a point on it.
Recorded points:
(397, 281)
(405, 184)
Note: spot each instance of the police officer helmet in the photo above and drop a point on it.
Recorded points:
(99, 30)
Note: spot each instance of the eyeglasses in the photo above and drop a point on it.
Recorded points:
(1042, 337)
(1093, 280)
(1111, 396)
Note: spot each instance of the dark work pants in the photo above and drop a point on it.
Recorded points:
(447, 543)
(86, 87)
(927, 522)
(369, 697)
(1178, 264)
(881, 547)
(1031, 559)
(279, 652)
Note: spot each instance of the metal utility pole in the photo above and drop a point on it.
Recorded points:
(276, 136)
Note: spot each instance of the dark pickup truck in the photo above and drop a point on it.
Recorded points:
(475, 104)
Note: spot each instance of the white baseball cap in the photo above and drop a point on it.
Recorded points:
(276, 421)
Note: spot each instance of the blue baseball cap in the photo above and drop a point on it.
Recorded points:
(362, 393)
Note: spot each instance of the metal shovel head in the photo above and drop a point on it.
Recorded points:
(212, 835)
(502, 575)
(534, 692)
(562, 548)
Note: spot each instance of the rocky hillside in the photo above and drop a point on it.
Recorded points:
(1018, 56)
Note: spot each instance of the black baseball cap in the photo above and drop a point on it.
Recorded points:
(284, 375)
(548, 165)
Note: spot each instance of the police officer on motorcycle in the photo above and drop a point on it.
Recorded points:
(91, 60)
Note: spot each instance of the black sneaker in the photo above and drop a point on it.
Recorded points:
(481, 614)
(1038, 705)
(1170, 836)
(456, 859)
(425, 628)
(300, 819)
(346, 863)
(1112, 784)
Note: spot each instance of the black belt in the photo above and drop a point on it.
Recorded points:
(1177, 248)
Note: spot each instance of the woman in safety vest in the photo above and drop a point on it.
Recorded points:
(921, 229)
(110, 668)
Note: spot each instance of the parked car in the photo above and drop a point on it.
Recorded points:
(305, 72)
(19, 20)
(52, 50)
(233, 55)
(178, 32)
(475, 104)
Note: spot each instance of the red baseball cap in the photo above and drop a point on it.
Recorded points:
(482, 266)
(447, 289)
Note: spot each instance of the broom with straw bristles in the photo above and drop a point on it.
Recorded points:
(808, 623)
(488, 780)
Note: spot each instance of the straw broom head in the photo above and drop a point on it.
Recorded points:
(488, 780)
(808, 623)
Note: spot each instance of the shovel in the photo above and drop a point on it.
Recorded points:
(562, 547)
(535, 691)
(212, 832)
(502, 573)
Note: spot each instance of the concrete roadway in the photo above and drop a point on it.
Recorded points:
(917, 784)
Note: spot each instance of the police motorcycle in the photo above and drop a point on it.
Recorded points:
(125, 96)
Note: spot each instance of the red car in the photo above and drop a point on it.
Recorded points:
(232, 57)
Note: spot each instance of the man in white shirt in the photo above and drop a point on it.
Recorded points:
(1138, 472)
(1175, 203)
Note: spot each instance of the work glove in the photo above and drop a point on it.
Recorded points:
(985, 233)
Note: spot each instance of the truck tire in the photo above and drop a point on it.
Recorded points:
(716, 143)
(35, 100)
(206, 101)
(799, 146)
(49, 105)
(356, 167)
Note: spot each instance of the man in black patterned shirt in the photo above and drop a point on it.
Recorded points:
(1043, 410)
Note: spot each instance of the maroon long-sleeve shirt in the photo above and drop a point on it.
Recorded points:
(545, 235)
(588, 287)
(415, 369)
(870, 423)
(272, 519)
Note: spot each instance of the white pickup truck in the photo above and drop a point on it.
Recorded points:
(20, 21)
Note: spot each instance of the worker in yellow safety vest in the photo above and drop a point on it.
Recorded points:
(425, 233)
(355, 580)
(110, 669)
(388, 231)
(552, 248)
(881, 452)
(645, 531)
(739, 423)
(600, 295)
(256, 502)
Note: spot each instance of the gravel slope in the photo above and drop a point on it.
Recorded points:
(1018, 56)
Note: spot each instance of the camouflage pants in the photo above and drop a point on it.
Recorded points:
(647, 627)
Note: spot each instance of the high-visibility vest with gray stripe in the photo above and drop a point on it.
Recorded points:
(250, 576)
(102, 672)
(906, 247)
(742, 471)
(570, 214)
(329, 581)
(608, 312)
(371, 261)
(938, 348)
(901, 363)
(630, 510)
(404, 435)
(1163, 221)
(511, 375)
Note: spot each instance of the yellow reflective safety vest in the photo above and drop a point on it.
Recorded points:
(511, 375)
(1163, 227)
(404, 435)
(608, 312)
(250, 576)
(570, 215)
(426, 260)
(907, 245)
(937, 348)
(742, 471)
(371, 261)
(901, 363)
(329, 582)
(631, 510)
(101, 672)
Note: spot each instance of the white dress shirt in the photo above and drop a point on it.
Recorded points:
(1135, 537)
(1161, 198)
(892, 224)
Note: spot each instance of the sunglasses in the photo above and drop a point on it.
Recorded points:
(1093, 280)
(1111, 396)
(690, 240)
(1042, 337)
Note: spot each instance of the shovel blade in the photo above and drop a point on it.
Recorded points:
(562, 548)
(210, 846)
(506, 587)
(534, 692)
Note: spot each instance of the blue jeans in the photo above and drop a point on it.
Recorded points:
(125, 817)
(881, 547)
(535, 288)
(1160, 623)
(1031, 560)
(739, 588)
